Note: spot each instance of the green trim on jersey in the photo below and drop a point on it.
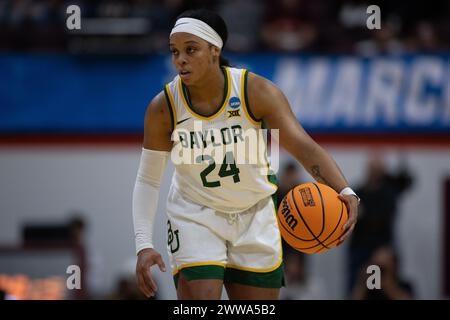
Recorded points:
(185, 93)
(272, 279)
(172, 117)
(246, 98)
(200, 272)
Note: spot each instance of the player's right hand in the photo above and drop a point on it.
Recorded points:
(146, 259)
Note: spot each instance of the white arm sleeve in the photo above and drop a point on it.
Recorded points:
(145, 195)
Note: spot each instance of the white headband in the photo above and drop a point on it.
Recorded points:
(198, 28)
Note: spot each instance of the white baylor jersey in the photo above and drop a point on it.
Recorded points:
(221, 159)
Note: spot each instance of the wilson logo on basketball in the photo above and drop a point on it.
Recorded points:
(307, 197)
(288, 217)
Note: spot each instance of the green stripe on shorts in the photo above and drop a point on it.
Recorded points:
(272, 279)
(200, 272)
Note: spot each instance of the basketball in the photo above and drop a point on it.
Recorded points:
(311, 217)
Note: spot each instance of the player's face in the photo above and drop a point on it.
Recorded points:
(192, 56)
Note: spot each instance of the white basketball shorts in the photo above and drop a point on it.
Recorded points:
(206, 244)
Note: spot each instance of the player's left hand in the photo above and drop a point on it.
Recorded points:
(351, 202)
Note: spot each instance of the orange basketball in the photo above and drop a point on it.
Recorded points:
(311, 217)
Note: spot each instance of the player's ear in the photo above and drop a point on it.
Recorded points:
(215, 51)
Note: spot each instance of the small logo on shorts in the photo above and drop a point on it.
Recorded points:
(170, 238)
(307, 197)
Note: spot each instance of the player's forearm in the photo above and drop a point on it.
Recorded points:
(322, 167)
(145, 202)
(145, 195)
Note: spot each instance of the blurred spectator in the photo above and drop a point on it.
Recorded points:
(424, 38)
(243, 32)
(392, 286)
(72, 234)
(383, 41)
(77, 229)
(288, 179)
(299, 285)
(113, 8)
(127, 289)
(288, 27)
(32, 25)
(162, 15)
(379, 195)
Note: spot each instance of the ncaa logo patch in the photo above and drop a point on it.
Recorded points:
(234, 103)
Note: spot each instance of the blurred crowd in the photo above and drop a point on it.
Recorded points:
(142, 26)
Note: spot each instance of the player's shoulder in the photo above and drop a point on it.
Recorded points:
(158, 108)
(261, 88)
(262, 95)
(158, 102)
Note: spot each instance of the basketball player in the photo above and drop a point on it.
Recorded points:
(222, 227)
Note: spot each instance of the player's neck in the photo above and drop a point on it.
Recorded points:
(209, 87)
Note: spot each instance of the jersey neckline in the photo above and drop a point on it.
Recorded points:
(226, 95)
